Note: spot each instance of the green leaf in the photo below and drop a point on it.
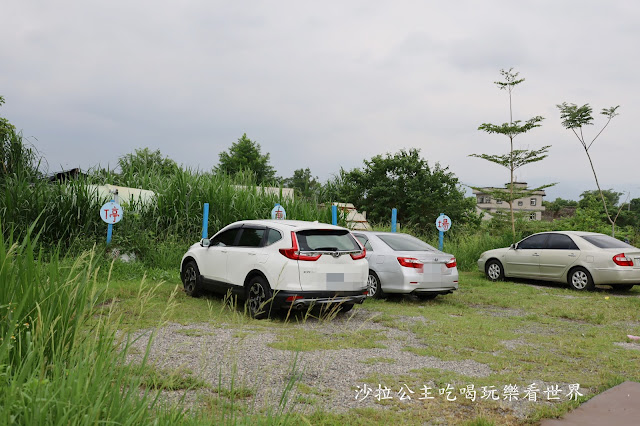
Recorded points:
(573, 116)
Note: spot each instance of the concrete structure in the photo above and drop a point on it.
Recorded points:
(355, 220)
(531, 206)
(287, 193)
(130, 197)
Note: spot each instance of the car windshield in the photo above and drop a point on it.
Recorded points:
(605, 242)
(326, 240)
(403, 242)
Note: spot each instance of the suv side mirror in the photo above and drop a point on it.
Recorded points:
(205, 242)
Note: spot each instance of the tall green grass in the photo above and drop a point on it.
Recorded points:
(63, 361)
(57, 366)
(68, 213)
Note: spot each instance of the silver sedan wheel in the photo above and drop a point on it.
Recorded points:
(372, 285)
(494, 271)
(580, 280)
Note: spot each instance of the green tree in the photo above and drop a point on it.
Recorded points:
(245, 155)
(516, 158)
(6, 128)
(18, 158)
(304, 183)
(558, 204)
(146, 162)
(589, 215)
(612, 197)
(634, 205)
(574, 118)
(404, 181)
(630, 214)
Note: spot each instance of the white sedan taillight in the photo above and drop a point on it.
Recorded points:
(622, 260)
(451, 263)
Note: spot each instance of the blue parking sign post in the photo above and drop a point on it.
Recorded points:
(109, 233)
(334, 214)
(205, 221)
(111, 213)
(394, 219)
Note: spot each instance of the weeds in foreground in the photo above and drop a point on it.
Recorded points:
(61, 348)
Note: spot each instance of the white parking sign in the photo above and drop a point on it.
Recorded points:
(278, 213)
(443, 223)
(111, 212)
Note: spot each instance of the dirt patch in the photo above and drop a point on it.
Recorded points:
(627, 345)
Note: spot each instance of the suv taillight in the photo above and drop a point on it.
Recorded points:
(362, 254)
(410, 262)
(294, 252)
(450, 263)
(622, 260)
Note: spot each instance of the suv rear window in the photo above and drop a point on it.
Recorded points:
(605, 241)
(326, 239)
(403, 242)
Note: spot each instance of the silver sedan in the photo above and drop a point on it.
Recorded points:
(580, 259)
(400, 263)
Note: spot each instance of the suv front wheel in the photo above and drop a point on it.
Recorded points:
(191, 279)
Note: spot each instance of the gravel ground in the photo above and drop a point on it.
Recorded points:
(214, 353)
(217, 354)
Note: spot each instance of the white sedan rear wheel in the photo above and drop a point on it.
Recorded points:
(580, 279)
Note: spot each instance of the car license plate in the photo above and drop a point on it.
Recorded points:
(335, 277)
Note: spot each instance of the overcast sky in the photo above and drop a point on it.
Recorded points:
(324, 84)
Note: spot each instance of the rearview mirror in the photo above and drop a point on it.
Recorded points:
(513, 246)
(205, 242)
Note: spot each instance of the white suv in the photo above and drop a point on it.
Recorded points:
(275, 264)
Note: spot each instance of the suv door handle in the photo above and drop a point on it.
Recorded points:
(535, 254)
(571, 255)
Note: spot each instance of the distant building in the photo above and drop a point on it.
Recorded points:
(531, 205)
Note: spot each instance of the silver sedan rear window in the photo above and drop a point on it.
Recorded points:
(402, 242)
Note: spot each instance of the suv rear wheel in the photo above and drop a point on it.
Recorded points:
(259, 298)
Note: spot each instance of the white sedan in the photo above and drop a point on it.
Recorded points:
(581, 259)
(275, 264)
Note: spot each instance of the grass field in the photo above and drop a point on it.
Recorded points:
(520, 333)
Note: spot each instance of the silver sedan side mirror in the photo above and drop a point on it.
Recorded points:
(205, 242)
